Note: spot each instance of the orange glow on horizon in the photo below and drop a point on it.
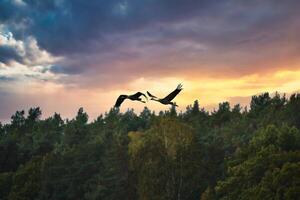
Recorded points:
(53, 97)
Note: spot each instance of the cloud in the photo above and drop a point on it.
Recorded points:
(8, 53)
(15, 75)
(203, 36)
(22, 61)
(6, 78)
(25, 52)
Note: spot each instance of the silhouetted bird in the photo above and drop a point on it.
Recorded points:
(167, 100)
(134, 97)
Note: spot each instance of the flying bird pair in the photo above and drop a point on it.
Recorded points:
(137, 97)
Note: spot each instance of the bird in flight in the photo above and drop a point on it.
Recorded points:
(134, 97)
(168, 99)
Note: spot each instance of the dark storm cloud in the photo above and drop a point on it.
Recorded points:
(8, 53)
(103, 36)
(7, 10)
(73, 26)
(58, 69)
(64, 27)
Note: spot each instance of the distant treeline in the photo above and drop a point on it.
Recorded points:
(230, 153)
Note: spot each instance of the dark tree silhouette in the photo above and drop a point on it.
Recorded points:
(230, 153)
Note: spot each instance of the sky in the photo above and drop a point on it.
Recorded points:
(65, 54)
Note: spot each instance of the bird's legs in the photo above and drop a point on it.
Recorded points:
(174, 104)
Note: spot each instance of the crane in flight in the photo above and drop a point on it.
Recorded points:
(168, 99)
(134, 97)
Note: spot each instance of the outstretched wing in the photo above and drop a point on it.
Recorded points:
(137, 95)
(173, 94)
(120, 100)
(150, 95)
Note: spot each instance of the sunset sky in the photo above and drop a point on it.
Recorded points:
(65, 54)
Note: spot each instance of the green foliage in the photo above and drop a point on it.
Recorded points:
(163, 160)
(230, 153)
(265, 169)
(5, 184)
(26, 182)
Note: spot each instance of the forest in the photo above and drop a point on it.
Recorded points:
(233, 152)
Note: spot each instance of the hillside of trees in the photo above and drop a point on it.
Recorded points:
(230, 153)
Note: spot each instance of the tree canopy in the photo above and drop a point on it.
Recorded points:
(229, 153)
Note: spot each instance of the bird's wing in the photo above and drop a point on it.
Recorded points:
(120, 100)
(150, 95)
(138, 94)
(173, 94)
(144, 96)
